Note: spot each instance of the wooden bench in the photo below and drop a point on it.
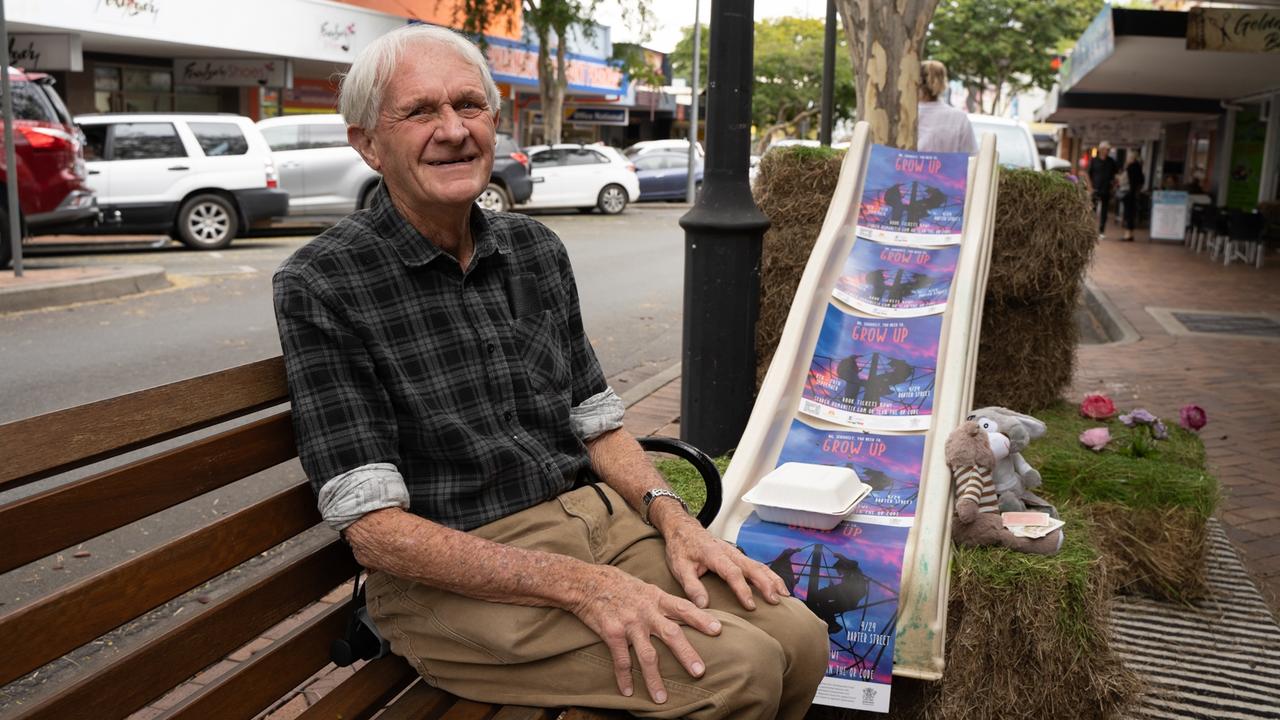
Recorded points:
(243, 650)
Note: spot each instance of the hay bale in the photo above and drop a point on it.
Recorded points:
(1044, 238)
(793, 190)
(1151, 512)
(1026, 354)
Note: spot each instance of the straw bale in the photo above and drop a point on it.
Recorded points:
(1157, 552)
(793, 190)
(1044, 238)
(1026, 354)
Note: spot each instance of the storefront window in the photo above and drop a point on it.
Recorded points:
(149, 89)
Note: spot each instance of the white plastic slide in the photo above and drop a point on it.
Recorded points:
(919, 626)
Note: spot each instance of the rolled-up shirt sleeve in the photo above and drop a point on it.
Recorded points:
(347, 497)
(597, 415)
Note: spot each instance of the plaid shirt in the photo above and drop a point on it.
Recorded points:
(463, 382)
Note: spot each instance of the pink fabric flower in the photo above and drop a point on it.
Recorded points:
(1095, 438)
(1192, 417)
(1097, 407)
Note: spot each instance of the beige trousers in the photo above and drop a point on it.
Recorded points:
(765, 663)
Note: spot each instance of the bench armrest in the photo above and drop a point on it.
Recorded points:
(701, 461)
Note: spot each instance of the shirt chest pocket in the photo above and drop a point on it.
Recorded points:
(541, 348)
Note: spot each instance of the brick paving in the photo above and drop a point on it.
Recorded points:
(1236, 380)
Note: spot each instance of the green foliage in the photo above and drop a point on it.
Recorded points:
(788, 72)
(1172, 476)
(988, 43)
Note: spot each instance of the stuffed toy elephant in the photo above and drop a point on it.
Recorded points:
(973, 450)
(1014, 476)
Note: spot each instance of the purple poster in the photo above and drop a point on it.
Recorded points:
(897, 281)
(890, 464)
(913, 197)
(849, 578)
(874, 373)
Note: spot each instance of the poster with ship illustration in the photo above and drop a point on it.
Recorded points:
(913, 197)
(897, 281)
(873, 373)
(890, 464)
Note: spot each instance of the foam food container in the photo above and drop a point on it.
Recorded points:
(807, 495)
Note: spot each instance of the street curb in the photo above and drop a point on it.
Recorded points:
(124, 281)
(650, 385)
(1119, 330)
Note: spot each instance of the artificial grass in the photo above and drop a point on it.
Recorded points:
(1151, 510)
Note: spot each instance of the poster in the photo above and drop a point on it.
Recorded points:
(913, 197)
(873, 373)
(890, 464)
(896, 281)
(849, 577)
(1168, 215)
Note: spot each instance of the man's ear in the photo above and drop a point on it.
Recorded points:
(362, 141)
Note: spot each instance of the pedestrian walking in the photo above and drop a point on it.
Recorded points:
(940, 127)
(1135, 179)
(1103, 170)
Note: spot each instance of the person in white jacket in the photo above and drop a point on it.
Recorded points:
(941, 128)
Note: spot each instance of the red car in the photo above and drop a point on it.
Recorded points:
(50, 158)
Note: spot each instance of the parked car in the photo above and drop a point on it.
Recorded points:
(324, 175)
(664, 174)
(677, 144)
(202, 178)
(52, 194)
(1014, 143)
(582, 177)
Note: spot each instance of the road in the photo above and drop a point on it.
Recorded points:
(218, 312)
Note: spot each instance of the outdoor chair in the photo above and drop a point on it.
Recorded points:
(1197, 227)
(1218, 223)
(1244, 237)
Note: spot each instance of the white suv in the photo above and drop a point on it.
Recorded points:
(200, 178)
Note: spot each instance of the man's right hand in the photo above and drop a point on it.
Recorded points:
(627, 612)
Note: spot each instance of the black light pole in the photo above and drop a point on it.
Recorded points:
(723, 233)
(828, 76)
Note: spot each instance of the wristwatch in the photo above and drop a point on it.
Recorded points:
(654, 494)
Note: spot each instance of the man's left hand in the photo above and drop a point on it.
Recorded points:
(692, 552)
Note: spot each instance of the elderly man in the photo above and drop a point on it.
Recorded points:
(458, 429)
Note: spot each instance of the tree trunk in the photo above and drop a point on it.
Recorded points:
(885, 40)
(551, 84)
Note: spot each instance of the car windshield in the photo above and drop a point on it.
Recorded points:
(1011, 143)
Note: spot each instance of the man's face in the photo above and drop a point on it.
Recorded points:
(434, 138)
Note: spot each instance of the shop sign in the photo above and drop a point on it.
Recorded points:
(338, 35)
(238, 72)
(53, 51)
(597, 116)
(1096, 44)
(1168, 214)
(517, 63)
(1233, 30)
(1119, 132)
(129, 9)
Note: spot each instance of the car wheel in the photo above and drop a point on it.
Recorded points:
(207, 222)
(494, 198)
(613, 199)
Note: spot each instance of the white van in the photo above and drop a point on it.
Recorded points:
(1014, 142)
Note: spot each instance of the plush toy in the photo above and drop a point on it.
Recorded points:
(1014, 476)
(973, 451)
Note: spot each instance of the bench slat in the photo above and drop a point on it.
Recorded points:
(419, 702)
(468, 710)
(61, 622)
(256, 684)
(41, 446)
(365, 692)
(147, 672)
(44, 523)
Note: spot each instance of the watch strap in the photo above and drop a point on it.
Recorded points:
(654, 494)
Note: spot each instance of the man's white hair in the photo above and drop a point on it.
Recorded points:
(360, 89)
